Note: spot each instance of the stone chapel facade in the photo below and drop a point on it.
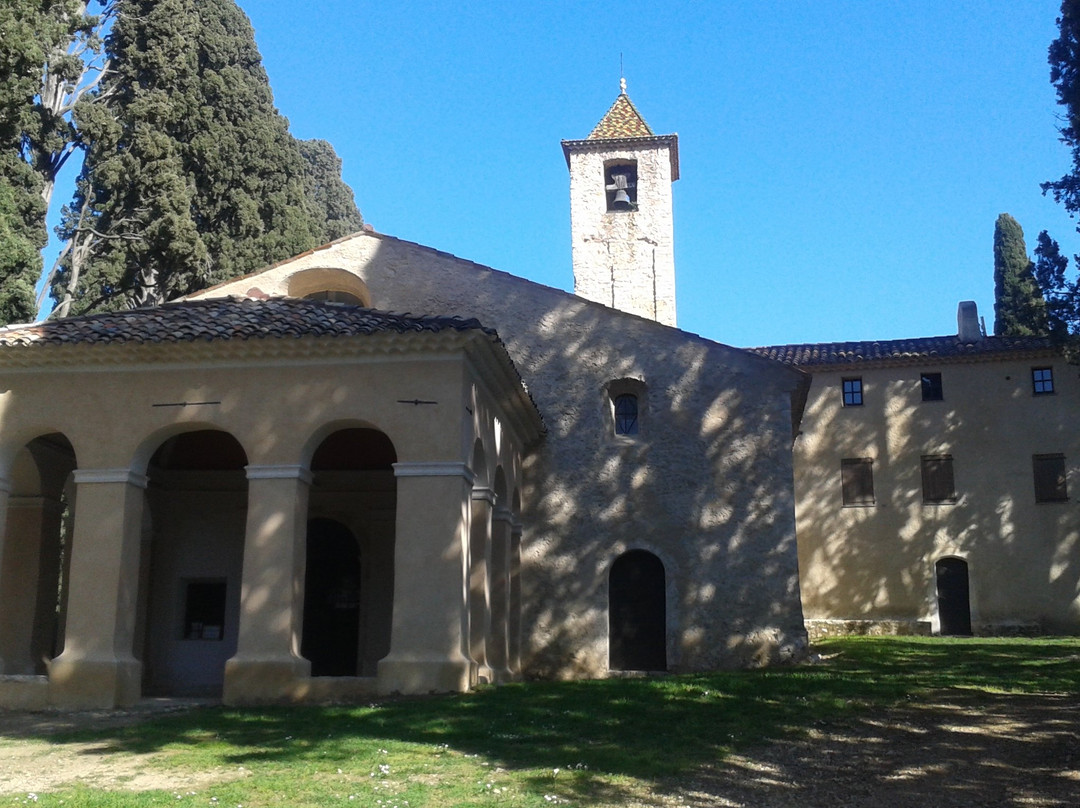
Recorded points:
(276, 490)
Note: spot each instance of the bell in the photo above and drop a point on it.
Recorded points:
(622, 200)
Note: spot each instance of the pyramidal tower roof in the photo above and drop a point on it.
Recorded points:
(622, 120)
(623, 127)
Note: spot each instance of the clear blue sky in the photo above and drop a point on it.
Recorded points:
(843, 163)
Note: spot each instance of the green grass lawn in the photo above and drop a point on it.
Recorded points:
(538, 744)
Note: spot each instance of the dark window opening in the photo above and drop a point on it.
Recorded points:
(332, 296)
(931, 387)
(857, 481)
(204, 610)
(620, 183)
(626, 414)
(1050, 483)
(1042, 381)
(852, 392)
(938, 483)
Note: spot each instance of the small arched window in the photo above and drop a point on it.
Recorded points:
(626, 414)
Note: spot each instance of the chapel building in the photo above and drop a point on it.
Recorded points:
(279, 490)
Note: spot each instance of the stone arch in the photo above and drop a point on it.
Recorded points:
(329, 281)
(191, 561)
(353, 494)
(953, 596)
(637, 612)
(36, 553)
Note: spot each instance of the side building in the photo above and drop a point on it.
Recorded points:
(935, 485)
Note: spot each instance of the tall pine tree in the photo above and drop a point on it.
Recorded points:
(1019, 308)
(191, 176)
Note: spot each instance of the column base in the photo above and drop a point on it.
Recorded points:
(275, 680)
(94, 684)
(419, 676)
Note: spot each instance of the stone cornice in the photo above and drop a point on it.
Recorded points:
(95, 476)
(435, 468)
(290, 472)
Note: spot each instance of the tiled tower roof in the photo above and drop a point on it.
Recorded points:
(621, 121)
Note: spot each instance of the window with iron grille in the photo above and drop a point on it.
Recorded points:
(857, 481)
(938, 483)
(1050, 483)
(626, 414)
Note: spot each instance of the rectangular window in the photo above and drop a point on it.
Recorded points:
(204, 610)
(852, 392)
(1050, 478)
(938, 485)
(931, 387)
(857, 480)
(1042, 381)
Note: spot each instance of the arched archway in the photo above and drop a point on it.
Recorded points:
(191, 563)
(637, 613)
(349, 585)
(953, 595)
(36, 555)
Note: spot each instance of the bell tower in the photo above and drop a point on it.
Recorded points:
(620, 213)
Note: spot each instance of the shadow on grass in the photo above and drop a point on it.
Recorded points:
(643, 728)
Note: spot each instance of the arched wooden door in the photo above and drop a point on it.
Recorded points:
(637, 613)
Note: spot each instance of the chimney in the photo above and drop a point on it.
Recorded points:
(967, 322)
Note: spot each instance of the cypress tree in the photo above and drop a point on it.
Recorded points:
(1019, 308)
(191, 176)
(34, 39)
(333, 203)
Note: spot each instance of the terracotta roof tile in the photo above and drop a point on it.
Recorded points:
(621, 121)
(899, 350)
(226, 319)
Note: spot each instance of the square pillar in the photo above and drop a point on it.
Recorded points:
(514, 621)
(267, 667)
(483, 501)
(97, 668)
(5, 493)
(498, 642)
(430, 635)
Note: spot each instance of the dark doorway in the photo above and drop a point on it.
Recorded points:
(637, 613)
(331, 639)
(954, 609)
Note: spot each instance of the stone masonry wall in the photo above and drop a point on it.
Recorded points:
(624, 259)
(706, 486)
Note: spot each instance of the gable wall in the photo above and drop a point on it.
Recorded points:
(707, 486)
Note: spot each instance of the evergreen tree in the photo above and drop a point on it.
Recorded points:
(41, 67)
(1019, 308)
(1062, 293)
(191, 176)
(334, 204)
